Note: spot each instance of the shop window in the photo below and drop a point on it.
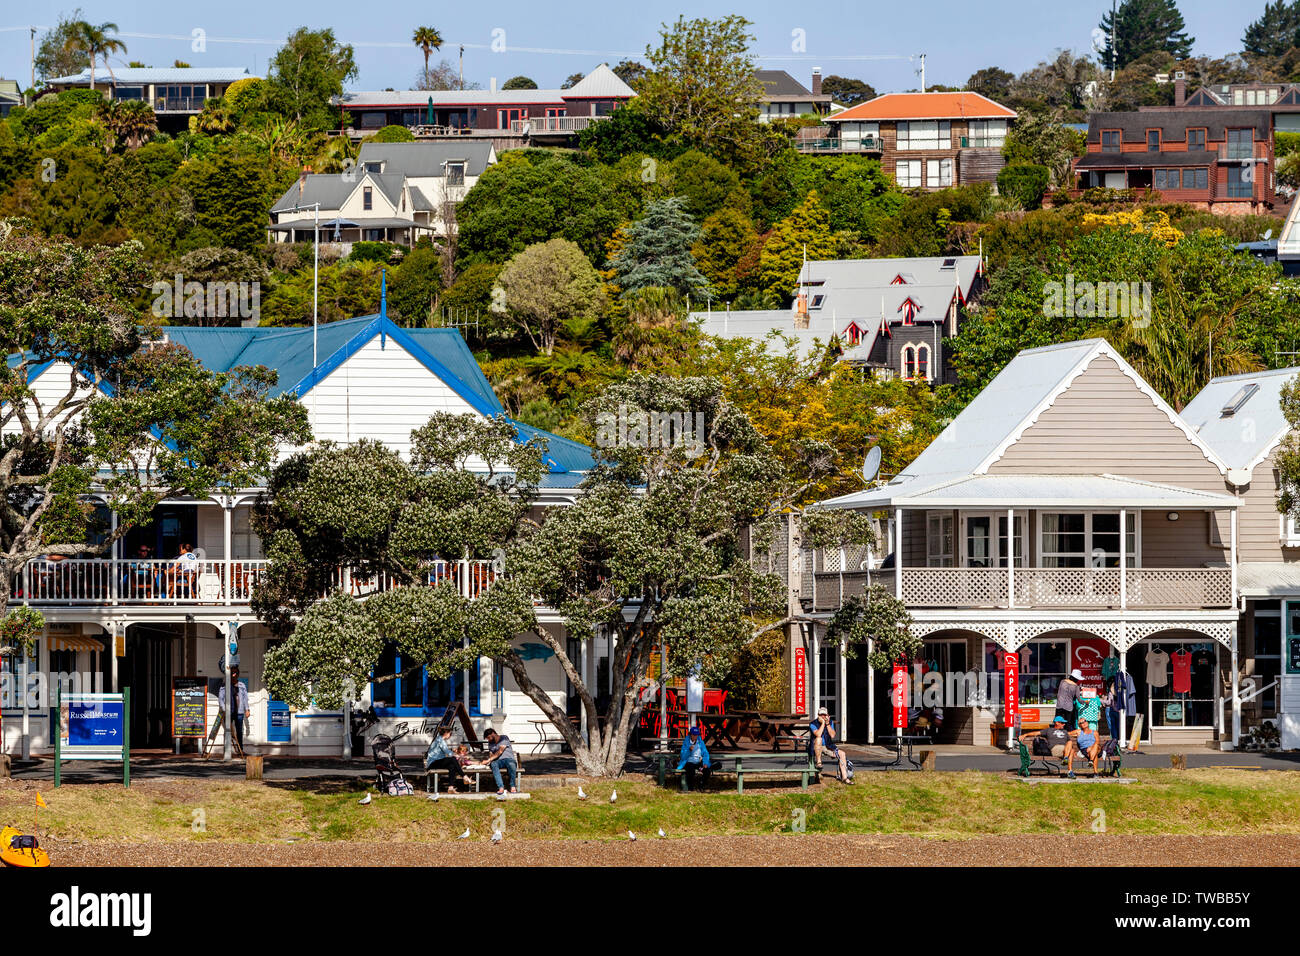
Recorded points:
(417, 693)
(1043, 664)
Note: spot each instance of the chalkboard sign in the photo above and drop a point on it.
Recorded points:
(189, 707)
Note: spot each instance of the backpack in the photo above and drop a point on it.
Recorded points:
(1110, 748)
(1041, 748)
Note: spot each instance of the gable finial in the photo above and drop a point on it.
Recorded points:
(383, 293)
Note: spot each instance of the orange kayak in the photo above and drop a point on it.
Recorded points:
(15, 851)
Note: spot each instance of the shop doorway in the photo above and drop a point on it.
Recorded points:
(147, 670)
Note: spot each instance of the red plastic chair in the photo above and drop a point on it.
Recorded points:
(715, 700)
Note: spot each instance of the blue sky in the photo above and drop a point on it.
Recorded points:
(550, 40)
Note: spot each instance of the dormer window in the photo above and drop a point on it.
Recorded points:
(456, 173)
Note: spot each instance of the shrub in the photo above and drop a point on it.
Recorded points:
(1025, 183)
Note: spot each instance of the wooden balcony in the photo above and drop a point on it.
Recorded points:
(1035, 588)
(553, 125)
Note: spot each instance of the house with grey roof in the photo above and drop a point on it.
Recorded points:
(890, 316)
(175, 93)
(11, 95)
(785, 97)
(396, 192)
(1068, 518)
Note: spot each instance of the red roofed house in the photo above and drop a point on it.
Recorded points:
(926, 140)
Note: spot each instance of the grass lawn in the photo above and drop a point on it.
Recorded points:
(939, 805)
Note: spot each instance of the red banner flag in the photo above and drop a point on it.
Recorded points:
(1011, 688)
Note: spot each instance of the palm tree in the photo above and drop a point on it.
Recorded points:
(129, 121)
(427, 39)
(1178, 347)
(95, 42)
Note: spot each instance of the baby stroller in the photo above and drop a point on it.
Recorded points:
(388, 775)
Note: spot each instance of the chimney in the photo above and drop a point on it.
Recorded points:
(817, 81)
(302, 181)
(1180, 88)
(493, 85)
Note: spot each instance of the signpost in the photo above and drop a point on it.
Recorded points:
(92, 727)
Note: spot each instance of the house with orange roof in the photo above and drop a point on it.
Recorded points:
(924, 140)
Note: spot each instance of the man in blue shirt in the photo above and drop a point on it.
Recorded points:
(822, 740)
(694, 759)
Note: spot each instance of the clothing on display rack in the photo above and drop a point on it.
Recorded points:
(1182, 662)
(1157, 667)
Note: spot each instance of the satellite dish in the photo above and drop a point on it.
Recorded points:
(871, 465)
(1268, 235)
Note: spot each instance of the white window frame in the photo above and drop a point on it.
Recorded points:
(924, 134)
(938, 172)
(912, 178)
(1289, 531)
(987, 133)
(935, 522)
(908, 351)
(995, 537)
(1133, 516)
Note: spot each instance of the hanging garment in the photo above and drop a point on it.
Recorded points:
(1182, 671)
(1109, 667)
(1157, 667)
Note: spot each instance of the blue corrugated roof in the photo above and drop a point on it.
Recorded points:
(562, 454)
(289, 352)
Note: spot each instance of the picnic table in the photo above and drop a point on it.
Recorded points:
(901, 741)
(775, 727)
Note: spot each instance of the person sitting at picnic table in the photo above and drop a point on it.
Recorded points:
(462, 755)
(502, 757)
(441, 757)
(695, 759)
(822, 733)
(184, 571)
(1056, 738)
(1083, 741)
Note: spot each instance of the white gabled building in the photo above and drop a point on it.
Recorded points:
(121, 620)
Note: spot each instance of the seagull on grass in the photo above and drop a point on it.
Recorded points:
(661, 832)
(631, 836)
(613, 796)
(465, 835)
(581, 795)
(433, 797)
(496, 836)
(364, 800)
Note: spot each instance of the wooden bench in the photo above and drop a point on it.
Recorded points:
(1108, 765)
(747, 765)
(431, 778)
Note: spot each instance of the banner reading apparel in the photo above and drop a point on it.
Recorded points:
(1011, 688)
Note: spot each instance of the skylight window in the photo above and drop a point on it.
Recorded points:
(1239, 398)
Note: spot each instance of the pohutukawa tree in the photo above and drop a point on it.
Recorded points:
(652, 551)
(127, 421)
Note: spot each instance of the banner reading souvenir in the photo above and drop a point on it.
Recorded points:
(898, 695)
